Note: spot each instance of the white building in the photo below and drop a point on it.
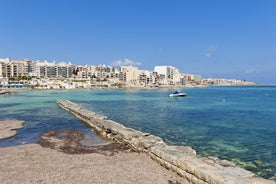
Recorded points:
(170, 73)
(162, 70)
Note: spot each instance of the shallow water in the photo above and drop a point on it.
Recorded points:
(234, 123)
(41, 114)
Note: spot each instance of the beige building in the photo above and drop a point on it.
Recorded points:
(1, 72)
(130, 74)
(13, 68)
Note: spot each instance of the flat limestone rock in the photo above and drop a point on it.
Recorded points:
(3, 92)
(8, 128)
(32, 163)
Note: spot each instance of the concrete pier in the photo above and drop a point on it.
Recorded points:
(181, 159)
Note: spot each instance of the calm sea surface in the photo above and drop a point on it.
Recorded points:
(233, 123)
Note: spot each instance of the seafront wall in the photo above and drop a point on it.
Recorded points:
(181, 159)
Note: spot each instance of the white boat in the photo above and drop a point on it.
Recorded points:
(177, 94)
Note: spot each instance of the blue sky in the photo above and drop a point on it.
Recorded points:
(214, 38)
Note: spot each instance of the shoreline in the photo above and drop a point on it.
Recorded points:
(11, 90)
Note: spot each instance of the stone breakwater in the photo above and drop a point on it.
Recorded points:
(181, 159)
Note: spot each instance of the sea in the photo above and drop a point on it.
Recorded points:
(233, 123)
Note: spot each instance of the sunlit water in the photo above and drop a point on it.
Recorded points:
(234, 123)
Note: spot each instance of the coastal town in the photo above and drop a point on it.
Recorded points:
(65, 75)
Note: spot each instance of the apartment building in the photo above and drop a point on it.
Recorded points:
(53, 70)
(20, 68)
(129, 74)
(101, 72)
(13, 68)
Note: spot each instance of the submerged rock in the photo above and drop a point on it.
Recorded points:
(68, 141)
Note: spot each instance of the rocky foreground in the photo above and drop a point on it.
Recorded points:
(60, 158)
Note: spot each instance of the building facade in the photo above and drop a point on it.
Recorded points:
(53, 70)
(13, 68)
(126, 75)
(168, 75)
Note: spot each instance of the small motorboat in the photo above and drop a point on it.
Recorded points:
(177, 94)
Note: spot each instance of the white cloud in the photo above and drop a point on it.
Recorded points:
(251, 71)
(125, 62)
(210, 50)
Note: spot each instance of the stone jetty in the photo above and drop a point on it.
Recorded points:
(181, 159)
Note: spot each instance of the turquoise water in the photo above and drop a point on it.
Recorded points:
(234, 123)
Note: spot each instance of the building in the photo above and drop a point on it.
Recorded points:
(129, 74)
(53, 70)
(192, 77)
(168, 74)
(13, 68)
(162, 70)
(31, 68)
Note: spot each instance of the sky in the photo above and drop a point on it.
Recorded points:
(213, 38)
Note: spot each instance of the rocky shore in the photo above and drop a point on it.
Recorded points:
(59, 157)
(183, 160)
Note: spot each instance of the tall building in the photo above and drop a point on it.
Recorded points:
(168, 74)
(129, 74)
(3, 63)
(53, 70)
(64, 70)
(31, 68)
(13, 68)
(162, 70)
(1, 72)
